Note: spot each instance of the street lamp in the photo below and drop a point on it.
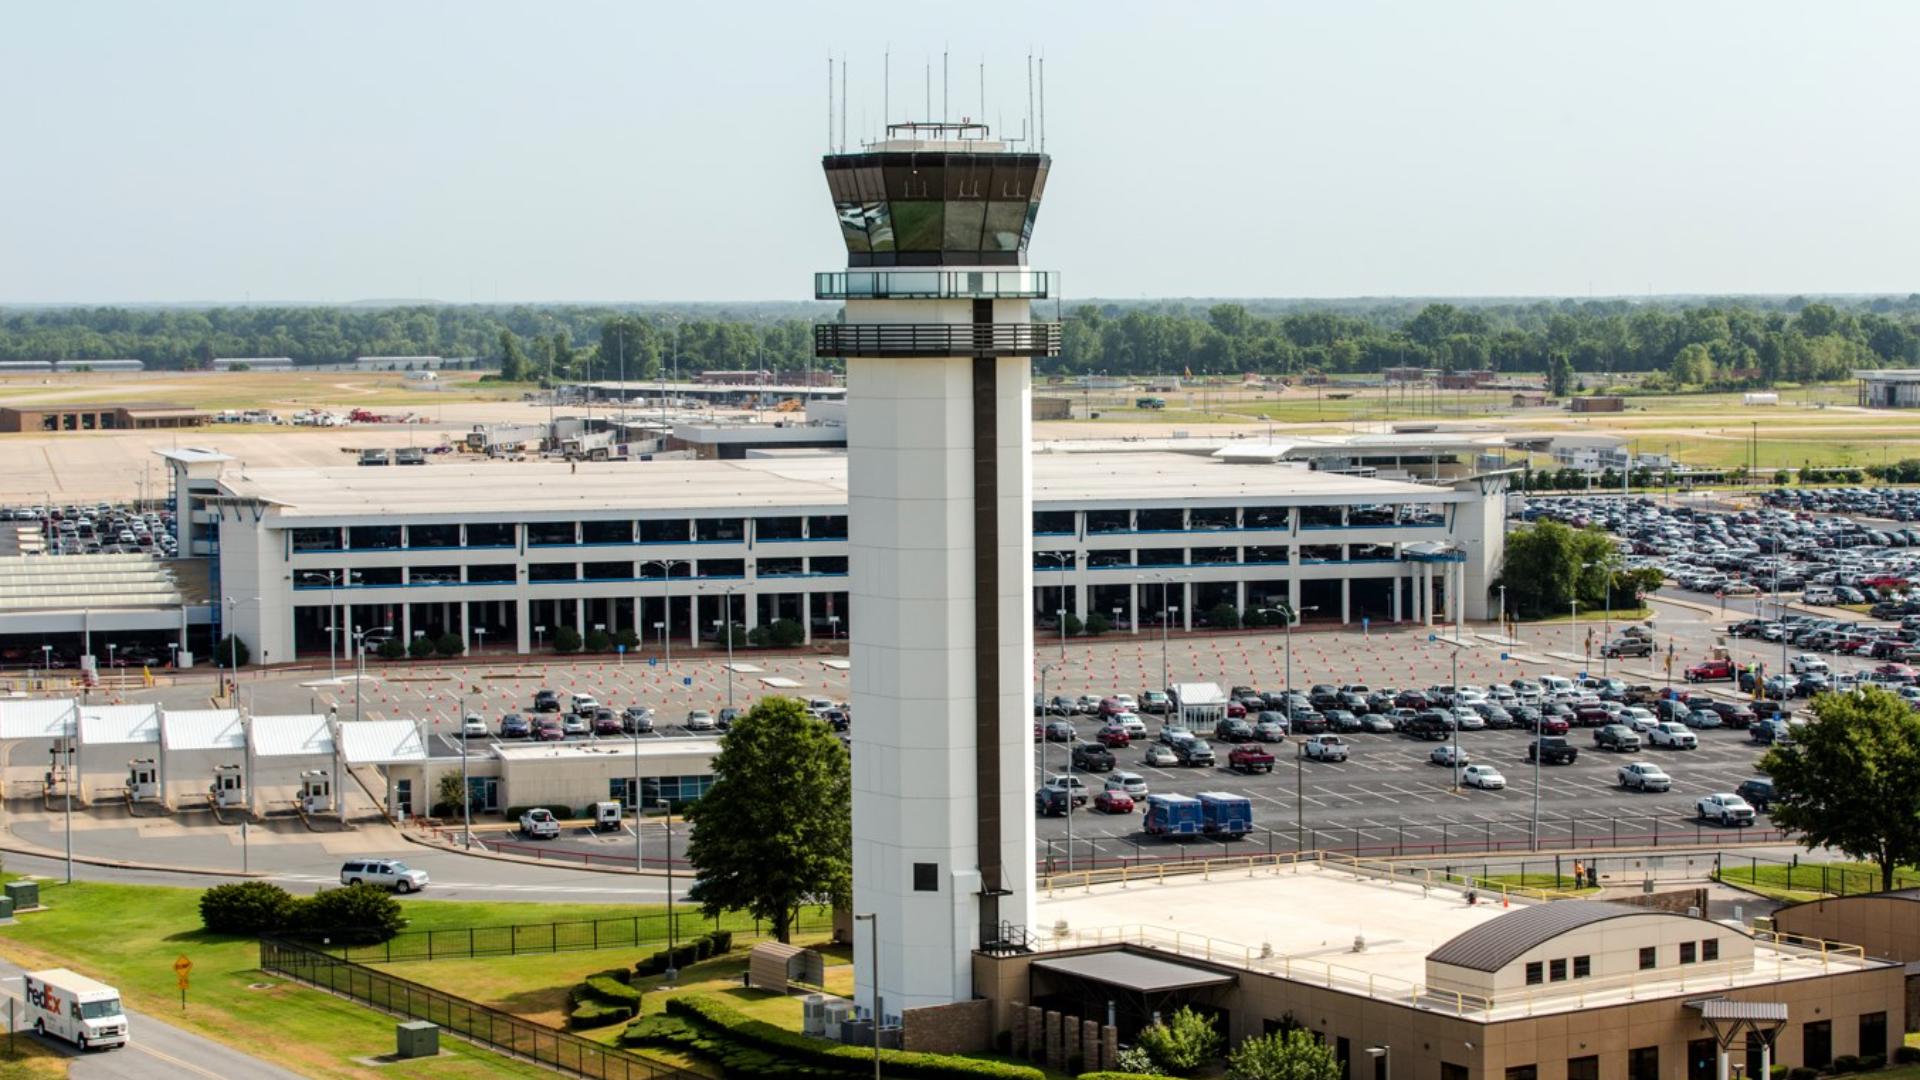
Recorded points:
(233, 648)
(1061, 559)
(466, 789)
(872, 919)
(1606, 614)
(1292, 617)
(360, 664)
(1455, 684)
(667, 805)
(666, 619)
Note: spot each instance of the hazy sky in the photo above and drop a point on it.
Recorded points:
(631, 151)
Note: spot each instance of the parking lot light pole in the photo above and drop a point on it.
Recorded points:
(1045, 711)
(1061, 559)
(1287, 682)
(1455, 684)
(667, 805)
(360, 664)
(466, 789)
(666, 612)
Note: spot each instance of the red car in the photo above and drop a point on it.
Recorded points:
(1554, 725)
(1236, 709)
(1113, 801)
(1709, 670)
(1114, 737)
(1250, 758)
(548, 729)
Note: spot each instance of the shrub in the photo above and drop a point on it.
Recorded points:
(785, 633)
(1073, 624)
(450, 645)
(1098, 624)
(1906, 1055)
(1801, 1072)
(1134, 1060)
(628, 638)
(1223, 617)
(1873, 1063)
(231, 652)
(1283, 1055)
(246, 907)
(352, 915)
(722, 942)
(1111, 1075)
(1182, 1044)
(1254, 619)
(598, 641)
(564, 813)
(723, 1023)
(391, 649)
(596, 1014)
(616, 991)
(566, 639)
(421, 648)
(1846, 1063)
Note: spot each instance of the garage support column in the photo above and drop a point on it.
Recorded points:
(806, 618)
(1133, 609)
(1240, 597)
(466, 636)
(1396, 581)
(1459, 601)
(1186, 606)
(579, 613)
(522, 627)
(406, 627)
(1346, 601)
(1423, 593)
(751, 614)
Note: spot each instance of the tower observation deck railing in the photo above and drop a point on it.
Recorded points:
(932, 284)
(936, 339)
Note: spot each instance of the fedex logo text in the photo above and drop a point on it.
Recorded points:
(39, 998)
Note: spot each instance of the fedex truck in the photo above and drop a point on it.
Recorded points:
(83, 1012)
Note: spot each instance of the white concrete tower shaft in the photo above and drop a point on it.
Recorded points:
(940, 506)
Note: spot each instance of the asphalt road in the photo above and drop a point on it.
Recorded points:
(154, 1050)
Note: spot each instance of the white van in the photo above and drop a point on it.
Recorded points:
(1556, 685)
(83, 1012)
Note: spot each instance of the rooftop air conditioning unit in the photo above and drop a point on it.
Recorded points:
(813, 1013)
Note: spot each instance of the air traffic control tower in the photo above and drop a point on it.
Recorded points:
(938, 338)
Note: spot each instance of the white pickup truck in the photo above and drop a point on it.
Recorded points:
(1327, 748)
(78, 1009)
(539, 824)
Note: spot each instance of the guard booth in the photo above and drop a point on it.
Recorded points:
(316, 792)
(229, 787)
(143, 780)
(1200, 706)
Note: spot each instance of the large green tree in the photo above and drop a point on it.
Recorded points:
(513, 361)
(1293, 1054)
(1851, 779)
(775, 832)
(1548, 565)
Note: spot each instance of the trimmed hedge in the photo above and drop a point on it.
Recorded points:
(717, 943)
(1906, 1055)
(564, 813)
(596, 1014)
(614, 991)
(672, 1033)
(247, 907)
(722, 1022)
(1123, 1076)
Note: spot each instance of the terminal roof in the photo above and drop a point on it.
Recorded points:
(1133, 971)
(811, 483)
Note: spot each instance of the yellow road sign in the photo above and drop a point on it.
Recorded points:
(182, 967)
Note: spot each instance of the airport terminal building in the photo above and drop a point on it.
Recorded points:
(505, 555)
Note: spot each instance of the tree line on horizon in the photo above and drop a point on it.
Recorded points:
(1660, 344)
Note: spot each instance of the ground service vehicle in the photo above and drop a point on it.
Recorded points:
(78, 1009)
(539, 824)
(1327, 748)
(1223, 814)
(1250, 758)
(1173, 815)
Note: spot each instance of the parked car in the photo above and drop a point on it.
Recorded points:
(1618, 737)
(1113, 801)
(1072, 784)
(1155, 702)
(1449, 755)
(1194, 753)
(1326, 748)
(546, 701)
(1130, 782)
(1113, 736)
(1622, 647)
(515, 726)
(1250, 758)
(1050, 801)
(1552, 750)
(1161, 754)
(1092, 757)
(1673, 736)
(1485, 777)
(606, 721)
(539, 824)
(1061, 731)
(700, 720)
(384, 873)
(636, 719)
(1725, 808)
(574, 723)
(1233, 729)
(1644, 776)
(1270, 727)
(1758, 791)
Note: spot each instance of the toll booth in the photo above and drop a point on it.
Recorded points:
(143, 780)
(229, 787)
(316, 792)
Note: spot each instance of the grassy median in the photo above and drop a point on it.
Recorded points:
(130, 935)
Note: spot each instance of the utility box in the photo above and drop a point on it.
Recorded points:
(416, 1039)
(23, 894)
(6, 907)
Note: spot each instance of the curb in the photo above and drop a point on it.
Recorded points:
(16, 846)
(522, 860)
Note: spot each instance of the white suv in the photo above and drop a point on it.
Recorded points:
(386, 873)
(1673, 736)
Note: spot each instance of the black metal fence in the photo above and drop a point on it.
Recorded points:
(1792, 875)
(623, 931)
(496, 1030)
(1395, 840)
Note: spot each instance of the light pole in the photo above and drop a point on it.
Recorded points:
(46, 664)
(667, 805)
(1167, 612)
(1060, 561)
(633, 796)
(466, 789)
(1455, 685)
(67, 775)
(1606, 613)
(360, 664)
(872, 919)
(1292, 617)
(539, 638)
(666, 617)
(1503, 612)
(1045, 712)
(233, 647)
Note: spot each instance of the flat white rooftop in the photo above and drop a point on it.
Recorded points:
(533, 488)
(606, 748)
(1301, 924)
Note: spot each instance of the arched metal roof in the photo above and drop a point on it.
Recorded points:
(1493, 945)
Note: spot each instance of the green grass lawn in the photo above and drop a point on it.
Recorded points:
(30, 1060)
(129, 935)
(1807, 882)
(1597, 616)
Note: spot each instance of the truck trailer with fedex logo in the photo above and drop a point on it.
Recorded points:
(83, 1012)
